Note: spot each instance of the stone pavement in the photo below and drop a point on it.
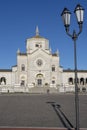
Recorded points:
(38, 110)
(30, 128)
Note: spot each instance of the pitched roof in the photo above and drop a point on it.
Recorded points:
(5, 70)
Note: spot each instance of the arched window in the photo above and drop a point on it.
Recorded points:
(36, 45)
(82, 81)
(22, 67)
(70, 80)
(3, 80)
(86, 80)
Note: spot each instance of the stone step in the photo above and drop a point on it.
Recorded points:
(43, 90)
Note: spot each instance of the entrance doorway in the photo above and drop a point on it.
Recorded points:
(39, 79)
(39, 82)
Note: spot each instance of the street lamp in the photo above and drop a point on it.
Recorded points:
(79, 11)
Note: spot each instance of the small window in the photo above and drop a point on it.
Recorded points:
(53, 68)
(84, 89)
(22, 82)
(37, 45)
(23, 67)
(53, 81)
(86, 80)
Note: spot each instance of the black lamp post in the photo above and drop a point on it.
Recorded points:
(79, 11)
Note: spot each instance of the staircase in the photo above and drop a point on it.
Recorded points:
(38, 89)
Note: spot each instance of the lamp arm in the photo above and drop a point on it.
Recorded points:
(68, 34)
(67, 31)
(74, 36)
(80, 29)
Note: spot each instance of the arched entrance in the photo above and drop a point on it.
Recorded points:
(39, 80)
(22, 82)
(3, 81)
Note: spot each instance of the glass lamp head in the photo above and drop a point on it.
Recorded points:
(66, 17)
(79, 11)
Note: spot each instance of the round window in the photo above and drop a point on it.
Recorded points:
(39, 62)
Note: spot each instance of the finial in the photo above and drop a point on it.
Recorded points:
(37, 31)
(18, 51)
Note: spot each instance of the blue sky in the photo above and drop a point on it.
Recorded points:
(19, 18)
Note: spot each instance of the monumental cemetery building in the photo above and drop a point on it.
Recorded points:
(38, 70)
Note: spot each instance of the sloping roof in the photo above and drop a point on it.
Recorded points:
(41, 50)
(14, 66)
(54, 54)
(22, 54)
(37, 36)
(5, 70)
(69, 70)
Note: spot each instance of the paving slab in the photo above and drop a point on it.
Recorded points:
(35, 110)
(39, 129)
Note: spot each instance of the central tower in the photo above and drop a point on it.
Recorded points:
(37, 42)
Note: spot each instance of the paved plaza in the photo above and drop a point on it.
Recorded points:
(38, 110)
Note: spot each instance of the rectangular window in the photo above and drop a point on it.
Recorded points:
(22, 67)
(53, 68)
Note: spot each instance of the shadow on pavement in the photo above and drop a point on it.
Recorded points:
(64, 120)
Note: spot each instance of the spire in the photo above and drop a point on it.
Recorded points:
(57, 52)
(37, 31)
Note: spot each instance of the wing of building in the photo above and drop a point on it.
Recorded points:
(39, 71)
